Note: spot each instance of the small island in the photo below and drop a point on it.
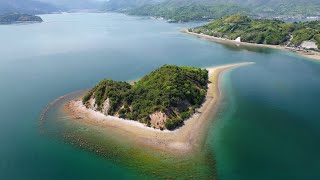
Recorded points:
(301, 37)
(168, 109)
(162, 99)
(19, 18)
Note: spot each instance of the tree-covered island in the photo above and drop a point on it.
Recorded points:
(19, 18)
(263, 31)
(162, 99)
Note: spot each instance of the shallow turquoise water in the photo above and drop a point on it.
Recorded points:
(269, 124)
(267, 127)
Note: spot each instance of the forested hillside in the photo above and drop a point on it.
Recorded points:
(262, 31)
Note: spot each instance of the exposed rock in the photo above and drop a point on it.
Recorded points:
(158, 120)
(92, 104)
(105, 107)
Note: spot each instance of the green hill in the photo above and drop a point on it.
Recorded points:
(262, 31)
(161, 99)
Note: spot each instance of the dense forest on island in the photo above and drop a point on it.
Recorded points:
(262, 31)
(171, 91)
(18, 18)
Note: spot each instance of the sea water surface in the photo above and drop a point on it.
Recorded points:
(268, 125)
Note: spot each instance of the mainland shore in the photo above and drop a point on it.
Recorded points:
(187, 138)
(309, 54)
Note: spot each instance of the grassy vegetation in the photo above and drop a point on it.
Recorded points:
(175, 91)
(261, 31)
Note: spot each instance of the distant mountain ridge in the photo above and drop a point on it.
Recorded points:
(47, 6)
(26, 7)
(175, 10)
(124, 5)
(186, 10)
(70, 5)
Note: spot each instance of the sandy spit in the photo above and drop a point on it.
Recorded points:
(309, 54)
(188, 138)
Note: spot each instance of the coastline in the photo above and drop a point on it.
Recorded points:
(311, 54)
(184, 139)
